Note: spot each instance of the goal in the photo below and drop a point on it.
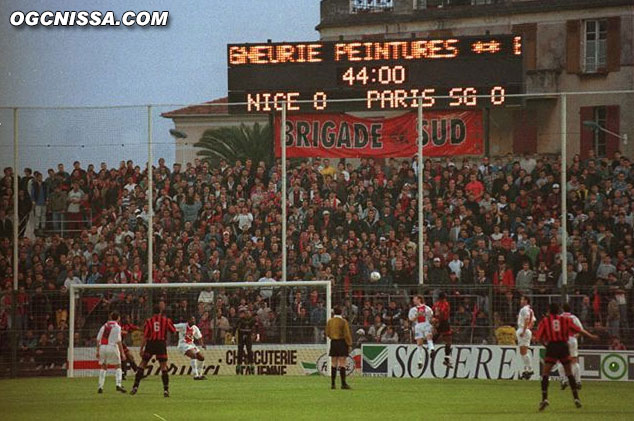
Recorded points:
(288, 337)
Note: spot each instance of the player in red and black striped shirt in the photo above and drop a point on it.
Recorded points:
(129, 362)
(154, 343)
(554, 331)
(443, 329)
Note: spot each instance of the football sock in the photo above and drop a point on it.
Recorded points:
(102, 378)
(430, 345)
(133, 365)
(194, 368)
(138, 377)
(333, 374)
(557, 369)
(527, 362)
(447, 351)
(166, 380)
(201, 367)
(573, 386)
(420, 355)
(342, 373)
(118, 374)
(576, 372)
(544, 388)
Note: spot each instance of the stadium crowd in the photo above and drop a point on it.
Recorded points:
(492, 233)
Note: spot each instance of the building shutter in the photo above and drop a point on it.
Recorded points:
(612, 123)
(524, 131)
(573, 46)
(614, 44)
(586, 141)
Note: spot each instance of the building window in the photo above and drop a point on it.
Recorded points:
(360, 6)
(599, 144)
(595, 53)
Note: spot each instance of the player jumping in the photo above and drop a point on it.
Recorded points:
(573, 346)
(554, 331)
(525, 321)
(441, 311)
(110, 351)
(421, 315)
(154, 343)
(188, 334)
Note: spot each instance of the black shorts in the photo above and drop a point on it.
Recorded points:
(557, 351)
(338, 348)
(157, 348)
(444, 328)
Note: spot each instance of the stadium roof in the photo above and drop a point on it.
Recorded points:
(218, 107)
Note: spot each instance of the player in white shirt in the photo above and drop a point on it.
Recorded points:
(525, 321)
(420, 315)
(188, 334)
(573, 346)
(110, 351)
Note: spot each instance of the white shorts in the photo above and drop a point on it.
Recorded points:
(524, 340)
(422, 330)
(573, 346)
(109, 354)
(184, 348)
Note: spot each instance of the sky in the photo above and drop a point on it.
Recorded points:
(182, 63)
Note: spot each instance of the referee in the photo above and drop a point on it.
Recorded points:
(338, 330)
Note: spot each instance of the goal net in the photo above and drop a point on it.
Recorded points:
(288, 337)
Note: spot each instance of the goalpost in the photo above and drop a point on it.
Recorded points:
(89, 306)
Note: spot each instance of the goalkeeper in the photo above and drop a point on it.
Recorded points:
(244, 331)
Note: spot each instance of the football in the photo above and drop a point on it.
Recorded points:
(375, 276)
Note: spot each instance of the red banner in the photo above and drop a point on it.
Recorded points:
(344, 136)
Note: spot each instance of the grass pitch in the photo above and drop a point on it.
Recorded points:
(304, 398)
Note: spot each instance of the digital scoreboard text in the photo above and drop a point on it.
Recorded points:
(461, 72)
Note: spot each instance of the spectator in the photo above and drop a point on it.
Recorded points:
(6, 225)
(74, 212)
(39, 196)
(318, 320)
(389, 336)
(376, 330)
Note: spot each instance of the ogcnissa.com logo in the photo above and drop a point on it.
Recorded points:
(86, 18)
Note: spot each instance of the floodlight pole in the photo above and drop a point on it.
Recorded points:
(283, 303)
(421, 221)
(16, 227)
(564, 205)
(150, 198)
(283, 175)
(16, 214)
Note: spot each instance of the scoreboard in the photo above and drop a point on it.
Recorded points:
(447, 73)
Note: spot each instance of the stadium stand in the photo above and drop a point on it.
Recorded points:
(492, 233)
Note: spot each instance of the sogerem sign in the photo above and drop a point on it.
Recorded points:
(485, 362)
(268, 360)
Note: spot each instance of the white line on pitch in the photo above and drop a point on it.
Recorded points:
(160, 417)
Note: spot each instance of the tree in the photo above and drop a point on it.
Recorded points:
(233, 143)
